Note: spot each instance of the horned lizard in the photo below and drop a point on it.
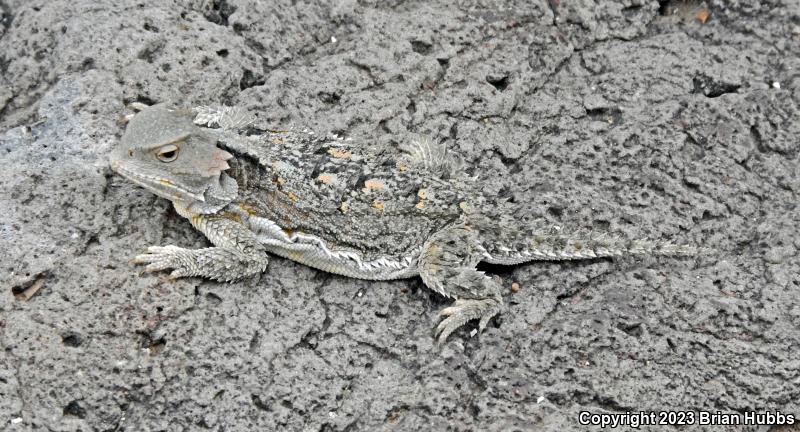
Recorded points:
(337, 207)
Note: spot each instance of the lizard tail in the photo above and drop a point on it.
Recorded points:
(506, 250)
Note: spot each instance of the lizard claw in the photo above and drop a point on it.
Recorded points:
(464, 310)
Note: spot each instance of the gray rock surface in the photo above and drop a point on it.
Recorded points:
(631, 116)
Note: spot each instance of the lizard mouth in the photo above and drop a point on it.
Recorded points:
(160, 186)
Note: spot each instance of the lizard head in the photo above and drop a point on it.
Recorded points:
(163, 151)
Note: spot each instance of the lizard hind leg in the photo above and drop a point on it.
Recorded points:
(447, 265)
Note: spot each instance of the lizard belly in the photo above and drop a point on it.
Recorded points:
(314, 252)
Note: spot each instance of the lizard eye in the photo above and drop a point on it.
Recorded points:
(168, 153)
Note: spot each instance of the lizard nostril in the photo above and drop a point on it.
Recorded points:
(130, 153)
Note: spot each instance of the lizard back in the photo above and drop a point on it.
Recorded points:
(351, 198)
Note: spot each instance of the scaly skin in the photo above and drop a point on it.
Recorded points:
(333, 206)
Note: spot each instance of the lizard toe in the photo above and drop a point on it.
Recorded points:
(448, 326)
(448, 311)
(155, 254)
(178, 273)
(164, 249)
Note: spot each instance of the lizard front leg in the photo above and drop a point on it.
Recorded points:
(236, 254)
(447, 265)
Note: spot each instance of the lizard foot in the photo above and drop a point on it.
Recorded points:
(464, 310)
(160, 258)
(217, 263)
